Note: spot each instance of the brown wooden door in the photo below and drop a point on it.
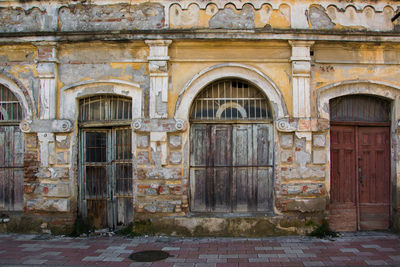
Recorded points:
(360, 168)
(231, 168)
(373, 175)
(106, 185)
(11, 168)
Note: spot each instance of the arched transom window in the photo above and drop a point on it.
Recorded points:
(105, 108)
(10, 109)
(230, 100)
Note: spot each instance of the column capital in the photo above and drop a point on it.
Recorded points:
(158, 49)
(301, 50)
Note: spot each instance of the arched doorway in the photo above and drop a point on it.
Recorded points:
(11, 153)
(106, 160)
(360, 163)
(231, 149)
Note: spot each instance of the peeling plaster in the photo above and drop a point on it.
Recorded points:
(111, 17)
(20, 20)
(229, 19)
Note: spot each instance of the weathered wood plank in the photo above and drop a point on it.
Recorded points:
(97, 213)
(374, 182)
(198, 189)
(2, 170)
(221, 149)
(124, 210)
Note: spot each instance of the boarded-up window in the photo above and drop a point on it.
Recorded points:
(231, 164)
(359, 108)
(106, 160)
(11, 153)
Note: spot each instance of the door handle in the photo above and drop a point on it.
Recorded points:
(360, 170)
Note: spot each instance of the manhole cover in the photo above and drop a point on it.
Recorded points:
(149, 255)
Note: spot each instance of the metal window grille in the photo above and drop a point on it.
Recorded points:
(105, 108)
(230, 100)
(10, 109)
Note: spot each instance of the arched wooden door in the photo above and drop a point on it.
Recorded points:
(231, 149)
(360, 163)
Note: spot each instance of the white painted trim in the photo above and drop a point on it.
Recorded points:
(349, 87)
(70, 95)
(223, 107)
(19, 94)
(89, 82)
(229, 70)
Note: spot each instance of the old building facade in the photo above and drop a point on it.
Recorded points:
(208, 117)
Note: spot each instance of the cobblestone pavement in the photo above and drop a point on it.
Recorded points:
(350, 249)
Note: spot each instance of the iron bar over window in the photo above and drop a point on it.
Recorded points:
(105, 108)
(230, 100)
(10, 110)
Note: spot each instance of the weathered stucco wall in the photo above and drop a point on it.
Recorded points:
(189, 58)
(143, 15)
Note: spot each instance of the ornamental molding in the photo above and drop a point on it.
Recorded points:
(302, 124)
(286, 125)
(46, 126)
(159, 125)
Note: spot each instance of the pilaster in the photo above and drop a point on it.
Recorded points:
(47, 72)
(158, 67)
(301, 72)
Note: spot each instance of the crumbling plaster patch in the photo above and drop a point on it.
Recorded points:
(18, 19)
(350, 17)
(228, 18)
(111, 17)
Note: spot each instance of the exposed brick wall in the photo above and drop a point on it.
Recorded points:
(300, 184)
(31, 166)
(160, 188)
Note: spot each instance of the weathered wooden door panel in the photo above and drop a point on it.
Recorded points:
(97, 210)
(343, 176)
(360, 194)
(374, 176)
(107, 176)
(122, 187)
(231, 168)
(11, 168)
(198, 188)
(200, 144)
(221, 155)
(263, 173)
(97, 173)
(243, 194)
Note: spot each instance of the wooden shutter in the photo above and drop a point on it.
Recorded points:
(231, 168)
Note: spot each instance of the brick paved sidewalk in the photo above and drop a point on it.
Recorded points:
(356, 249)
